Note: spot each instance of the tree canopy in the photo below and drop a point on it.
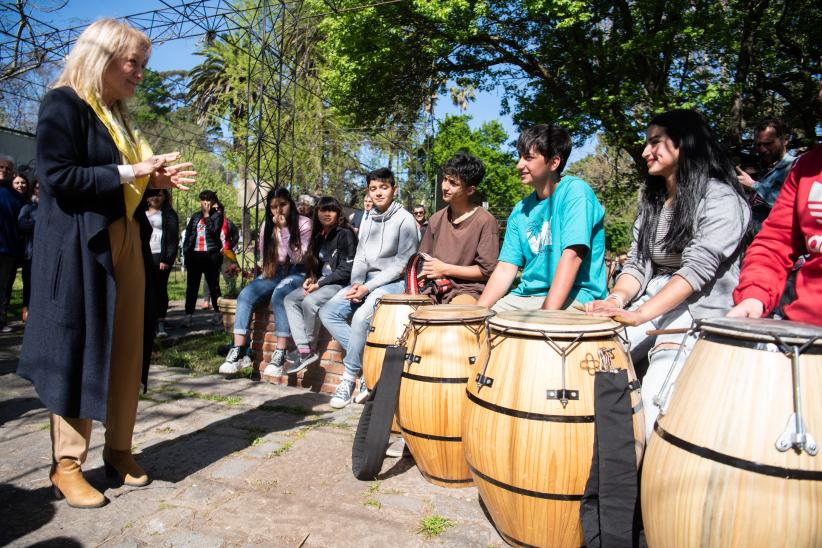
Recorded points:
(596, 66)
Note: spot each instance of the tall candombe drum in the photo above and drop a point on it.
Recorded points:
(387, 326)
(727, 464)
(528, 425)
(444, 345)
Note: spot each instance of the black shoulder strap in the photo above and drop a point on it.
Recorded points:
(374, 427)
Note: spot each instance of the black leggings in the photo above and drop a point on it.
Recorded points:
(161, 277)
(199, 263)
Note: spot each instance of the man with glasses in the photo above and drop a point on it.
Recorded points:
(419, 216)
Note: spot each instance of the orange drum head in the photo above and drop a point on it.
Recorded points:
(450, 313)
(763, 330)
(401, 298)
(557, 323)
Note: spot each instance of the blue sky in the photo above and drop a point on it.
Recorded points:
(178, 54)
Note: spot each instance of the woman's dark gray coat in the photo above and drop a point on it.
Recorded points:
(67, 344)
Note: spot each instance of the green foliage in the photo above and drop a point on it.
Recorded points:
(611, 174)
(595, 66)
(196, 353)
(432, 526)
(501, 187)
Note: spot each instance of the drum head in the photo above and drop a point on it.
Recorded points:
(557, 323)
(450, 313)
(401, 298)
(762, 330)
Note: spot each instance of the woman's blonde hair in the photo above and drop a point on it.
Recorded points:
(93, 52)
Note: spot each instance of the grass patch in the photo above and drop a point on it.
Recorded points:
(369, 497)
(199, 354)
(44, 426)
(432, 526)
(168, 393)
(281, 450)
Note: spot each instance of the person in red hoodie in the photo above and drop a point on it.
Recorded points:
(793, 229)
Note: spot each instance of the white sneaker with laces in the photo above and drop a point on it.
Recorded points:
(275, 365)
(342, 395)
(362, 395)
(234, 363)
(302, 363)
(396, 449)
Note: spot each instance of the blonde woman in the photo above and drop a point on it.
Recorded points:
(90, 327)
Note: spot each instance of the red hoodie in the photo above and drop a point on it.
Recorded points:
(793, 228)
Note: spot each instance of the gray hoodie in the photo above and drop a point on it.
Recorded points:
(387, 241)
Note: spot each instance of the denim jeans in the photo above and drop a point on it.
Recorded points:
(661, 359)
(335, 314)
(302, 311)
(274, 289)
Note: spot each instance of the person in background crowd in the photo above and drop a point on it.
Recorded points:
(388, 238)
(19, 184)
(89, 335)
(305, 205)
(25, 227)
(419, 216)
(163, 244)
(360, 215)
(772, 138)
(11, 202)
(285, 240)
(229, 236)
(6, 169)
(556, 234)
(328, 269)
(203, 250)
(461, 243)
(689, 236)
(793, 229)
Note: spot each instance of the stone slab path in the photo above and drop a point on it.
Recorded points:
(234, 463)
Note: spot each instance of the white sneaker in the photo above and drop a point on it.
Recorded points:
(234, 363)
(396, 449)
(342, 395)
(362, 395)
(302, 363)
(275, 365)
(161, 330)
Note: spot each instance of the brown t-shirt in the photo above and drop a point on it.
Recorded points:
(474, 241)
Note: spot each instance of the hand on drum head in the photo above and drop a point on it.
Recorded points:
(595, 306)
(748, 308)
(625, 317)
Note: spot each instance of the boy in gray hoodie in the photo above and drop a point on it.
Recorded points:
(387, 239)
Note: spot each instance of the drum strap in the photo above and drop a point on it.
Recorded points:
(374, 428)
(609, 505)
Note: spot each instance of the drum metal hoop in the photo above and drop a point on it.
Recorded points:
(661, 398)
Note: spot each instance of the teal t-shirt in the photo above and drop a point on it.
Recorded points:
(538, 231)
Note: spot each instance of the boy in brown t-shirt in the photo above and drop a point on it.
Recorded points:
(461, 242)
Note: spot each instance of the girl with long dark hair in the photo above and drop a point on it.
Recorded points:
(689, 237)
(328, 269)
(284, 246)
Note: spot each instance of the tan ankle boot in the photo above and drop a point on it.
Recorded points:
(68, 482)
(122, 466)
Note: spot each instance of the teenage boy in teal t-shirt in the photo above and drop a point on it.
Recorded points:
(555, 235)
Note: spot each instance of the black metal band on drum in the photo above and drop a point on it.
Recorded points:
(377, 345)
(575, 419)
(431, 437)
(736, 462)
(445, 480)
(435, 380)
(526, 492)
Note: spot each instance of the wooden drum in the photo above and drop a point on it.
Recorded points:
(444, 346)
(733, 461)
(387, 326)
(528, 425)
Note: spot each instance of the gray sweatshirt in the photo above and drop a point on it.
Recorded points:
(387, 241)
(710, 261)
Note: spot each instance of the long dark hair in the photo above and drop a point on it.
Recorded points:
(269, 243)
(326, 203)
(701, 158)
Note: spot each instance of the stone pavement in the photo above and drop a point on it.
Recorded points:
(234, 463)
